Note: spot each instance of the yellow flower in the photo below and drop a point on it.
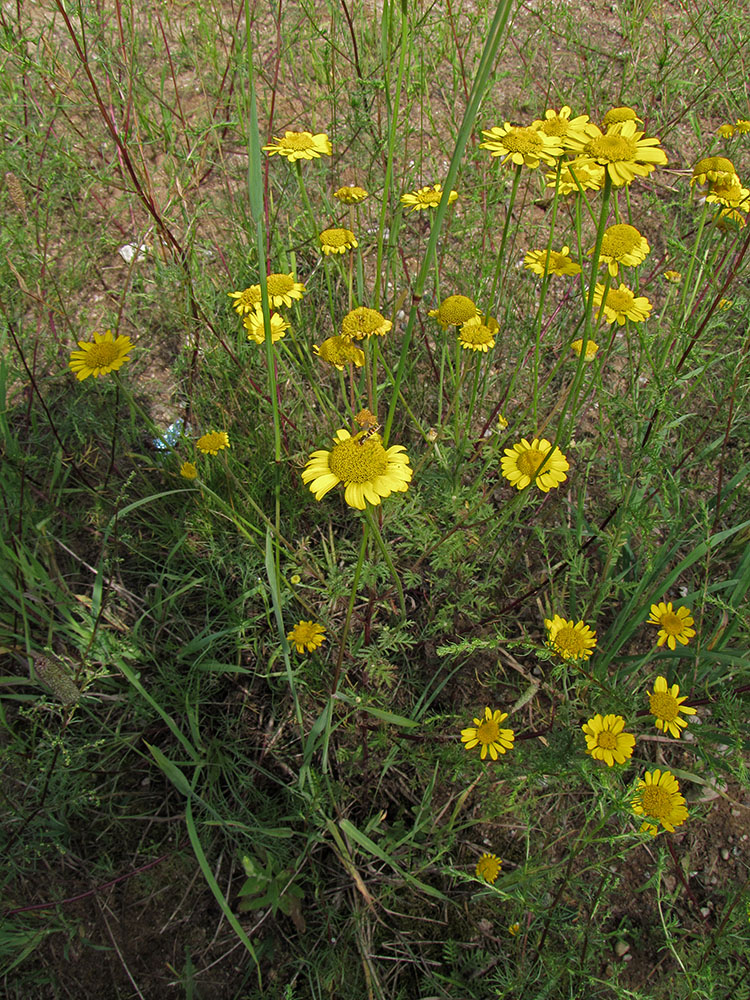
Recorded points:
(674, 277)
(100, 356)
(725, 304)
(570, 640)
(502, 422)
(622, 151)
(300, 146)
(339, 351)
(255, 327)
(560, 124)
(478, 333)
(557, 262)
(742, 125)
(350, 195)
(725, 131)
(367, 470)
(213, 442)
(426, 197)
(622, 244)
(731, 194)
(718, 169)
(605, 739)
(188, 471)
(514, 929)
(521, 462)
(591, 348)
(283, 289)
(294, 579)
(363, 322)
(665, 705)
(621, 304)
(588, 174)
(617, 115)
(454, 311)
(247, 300)
(487, 733)
(674, 626)
(519, 145)
(307, 636)
(337, 241)
(658, 796)
(488, 867)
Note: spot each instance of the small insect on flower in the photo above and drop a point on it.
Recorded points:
(366, 469)
(665, 705)
(307, 636)
(488, 867)
(674, 625)
(487, 733)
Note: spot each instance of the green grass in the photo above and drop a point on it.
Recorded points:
(191, 807)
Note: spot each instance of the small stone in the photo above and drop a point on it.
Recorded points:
(621, 948)
(705, 911)
(725, 853)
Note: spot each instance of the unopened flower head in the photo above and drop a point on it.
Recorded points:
(488, 867)
(616, 116)
(588, 174)
(100, 356)
(300, 146)
(351, 195)
(188, 470)
(591, 348)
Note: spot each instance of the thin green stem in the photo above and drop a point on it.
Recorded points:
(372, 520)
(503, 241)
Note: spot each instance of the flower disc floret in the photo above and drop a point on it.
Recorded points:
(478, 334)
(100, 356)
(674, 624)
(247, 300)
(361, 463)
(557, 262)
(717, 169)
(665, 705)
(605, 739)
(522, 145)
(363, 322)
(351, 195)
(213, 442)
(621, 304)
(570, 640)
(300, 146)
(521, 463)
(337, 241)
(454, 311)
(560, 124)
(622, 244)
(488, 867)
(307, 636)
(658, 796)
(339, 351)
(622, 151)
(426, 197)
(256, 330)
(487, 734)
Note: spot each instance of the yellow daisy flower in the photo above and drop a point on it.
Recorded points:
(300, 146)
(487, 733)
(283, 290)
(591, 348)
(730, 194)
(557, 262)
(742, 125)
(622, 244)
(307, 636)
(339, 351)
(605, 739)
(718, 169)
(188, 470)
(674, 277)
(617, 115)
(337, 241)
(570, 640)
(658, 796)
(725, 131)
(674, 625)
(514, 929)
(488, 867)
(256, 330)
(367, 470)
(213, 442)
(351, 195)
(454, 311)
(478, 333)
(622, 151)
(247, 300)
(560, 124)
(621, 304)
(665, 705)
(519, 145)
(100, 356)
(725, 304)
(588, 174)
(426, 197)
(363, 322)
(520, 463)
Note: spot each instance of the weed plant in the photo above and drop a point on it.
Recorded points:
(374, 501)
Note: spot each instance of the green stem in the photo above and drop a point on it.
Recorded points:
(506, 229)
(372, 520)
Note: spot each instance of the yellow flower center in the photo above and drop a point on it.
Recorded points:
(522, 140)
(612, 148)
(664, 706)
(429, 198)
(456, 309)
(555, 126)
(357, 461)
(250, 298)
(297, 140)
(718, 165)
(337, 237)
(619, 299)
(488, 731)
(606, 740)
(572, 641)
(102, 355)
(656, 802)
(620, 115)
(529, 461)
(340, 351)
(479, 334)
(671, 623)
(279, 284)
(362, 322)
(620, 240)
